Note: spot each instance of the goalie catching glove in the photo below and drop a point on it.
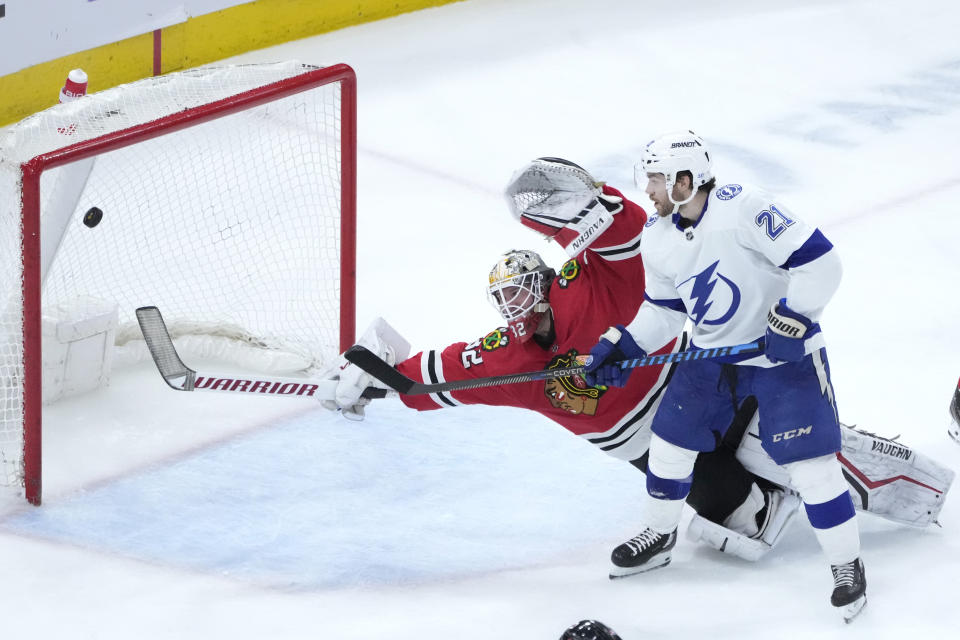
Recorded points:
(561, 200)
(352, 381)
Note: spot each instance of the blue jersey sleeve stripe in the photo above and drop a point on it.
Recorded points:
(676, 304)
(815, 246)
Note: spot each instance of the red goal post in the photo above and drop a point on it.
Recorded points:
(225, 195)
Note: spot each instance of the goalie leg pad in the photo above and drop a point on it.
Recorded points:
(886, 478)
(781, 505)
(743, 519)
(756, 460)
(725, 540)
(892, 480)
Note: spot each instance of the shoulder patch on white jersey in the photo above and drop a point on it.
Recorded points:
(729, 191)
(652, 221)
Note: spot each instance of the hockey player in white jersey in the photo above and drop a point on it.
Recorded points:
(742, 267)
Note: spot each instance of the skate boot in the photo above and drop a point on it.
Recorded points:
(649, 550)
(849, 589)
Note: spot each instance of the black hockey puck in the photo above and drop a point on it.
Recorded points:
(92, 217)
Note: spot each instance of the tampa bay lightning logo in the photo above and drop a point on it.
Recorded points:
(705, 295)
(729, 191)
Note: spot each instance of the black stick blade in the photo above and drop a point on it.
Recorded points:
(378, 368)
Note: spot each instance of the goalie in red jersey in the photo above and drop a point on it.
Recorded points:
(549, 315)
(547, 318)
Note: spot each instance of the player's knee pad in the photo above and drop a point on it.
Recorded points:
(670, 470)
(817, 479)
(824, 491)
(670, 461)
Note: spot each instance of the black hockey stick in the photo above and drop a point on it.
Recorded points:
(182, 378)
(375, 366)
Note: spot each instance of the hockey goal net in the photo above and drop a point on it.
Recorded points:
(223, 195)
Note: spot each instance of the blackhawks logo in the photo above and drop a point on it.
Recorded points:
(571, 393)
(568, 273)
(495, 339)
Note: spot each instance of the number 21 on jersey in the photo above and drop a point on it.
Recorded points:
(773, 221)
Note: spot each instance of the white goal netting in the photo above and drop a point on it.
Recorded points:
(230, 224)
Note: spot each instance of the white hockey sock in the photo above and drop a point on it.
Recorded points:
(841, 543)
(669, 474)
(662, 516)
(829, 507)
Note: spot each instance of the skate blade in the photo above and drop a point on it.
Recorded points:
(623, 572)
(853, 609)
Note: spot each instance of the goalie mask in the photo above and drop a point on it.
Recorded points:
(549, 193)
(672, 153)
(518, 286)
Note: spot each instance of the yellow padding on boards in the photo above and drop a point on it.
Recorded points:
(200, 40)
(265, 23)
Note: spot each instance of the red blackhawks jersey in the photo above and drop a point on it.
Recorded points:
(600, 287)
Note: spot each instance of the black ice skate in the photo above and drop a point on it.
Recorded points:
(849, 589)
(649, 550)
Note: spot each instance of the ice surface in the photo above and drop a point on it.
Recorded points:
(175, 515)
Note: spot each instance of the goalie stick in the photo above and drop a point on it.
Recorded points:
(382, 371)
(182, 378)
